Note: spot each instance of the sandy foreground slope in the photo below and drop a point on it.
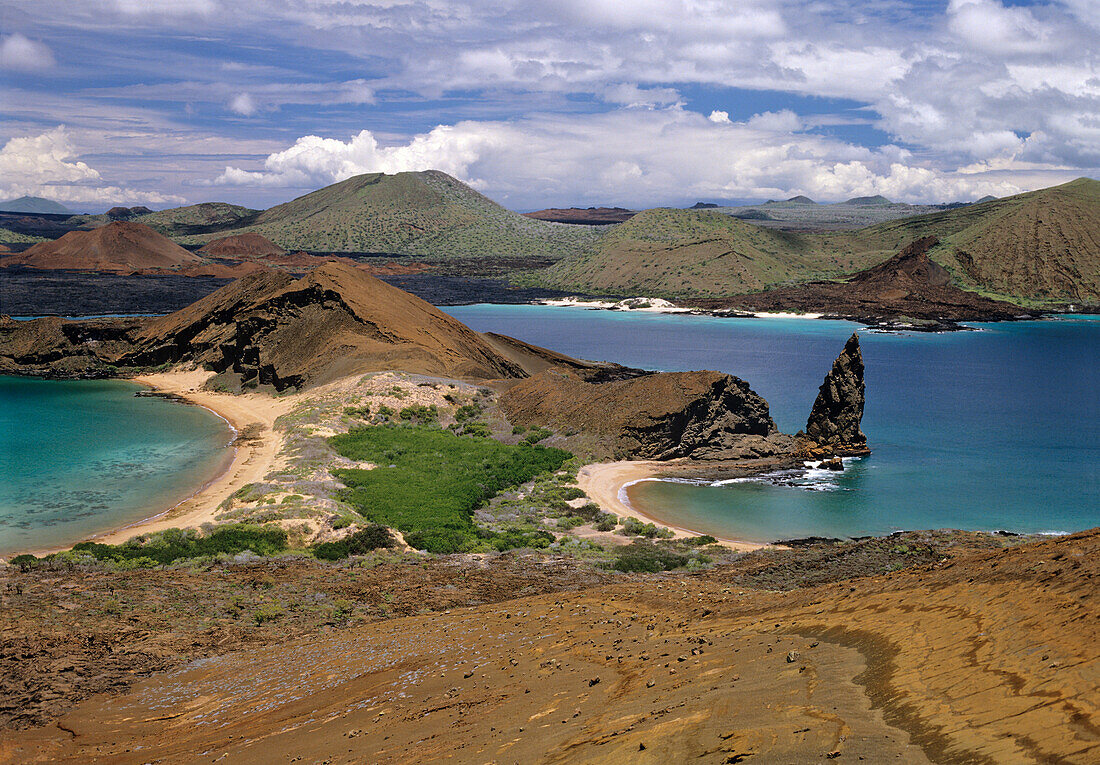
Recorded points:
(991, 658)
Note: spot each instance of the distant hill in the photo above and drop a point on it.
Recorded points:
(674, 252)
(798, 200)
(35, 205)
(117, 247)
(878, 199)
(907, 286)
(986, 198)
(7, 236)
(1043, 245)
(202, 218)
(1040, 246)
(427, 214)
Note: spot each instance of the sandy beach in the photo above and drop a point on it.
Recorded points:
(251, 461)
(603, 483)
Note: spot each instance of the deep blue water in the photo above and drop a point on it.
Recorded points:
(984, 430)
(83, 457)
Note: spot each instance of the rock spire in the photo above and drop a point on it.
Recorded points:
(834, 420)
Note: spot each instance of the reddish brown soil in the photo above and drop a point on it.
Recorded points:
(119, 247)
(981, 658)
(249, 245)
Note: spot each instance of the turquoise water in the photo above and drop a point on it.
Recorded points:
(82, 457)
(984, 430)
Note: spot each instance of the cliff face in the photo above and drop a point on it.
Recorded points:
(702, 415)
(837, 412)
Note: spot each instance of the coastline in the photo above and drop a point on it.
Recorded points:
(251, 460)
(604, 482)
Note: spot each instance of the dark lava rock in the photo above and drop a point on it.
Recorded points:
(834, 420)
(703, 415)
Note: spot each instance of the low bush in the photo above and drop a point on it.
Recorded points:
(647, 557)
(702, 539)
(25, 562)
(536, 435)
(606, 522)
(175, 544)
(420, 414)
(373, 537)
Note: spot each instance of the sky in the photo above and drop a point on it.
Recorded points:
(547, 103)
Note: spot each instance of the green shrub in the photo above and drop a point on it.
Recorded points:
(267, 613)
(606, 522)
(467, 412)
(647, 557)
(420, 414)
(703, 539)
(476, 429)
(536, 435)
(373, 537)
(25, 562)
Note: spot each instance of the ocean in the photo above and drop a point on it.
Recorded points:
(80, 457)
(992, 429)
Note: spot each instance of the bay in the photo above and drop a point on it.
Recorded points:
(997, 428)
(81, 457)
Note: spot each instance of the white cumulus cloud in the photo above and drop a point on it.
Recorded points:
(46, 165)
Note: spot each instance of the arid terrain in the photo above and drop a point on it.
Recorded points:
(966, 656)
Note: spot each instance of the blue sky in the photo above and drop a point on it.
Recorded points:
(548, 103)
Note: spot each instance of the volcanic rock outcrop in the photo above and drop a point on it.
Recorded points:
(703, 415)
(591, 216)
(837, 411)
(118, 247)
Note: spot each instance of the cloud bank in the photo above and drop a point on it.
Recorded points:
(629, 156)
(45, 166)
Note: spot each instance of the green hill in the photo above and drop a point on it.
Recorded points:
(1039, 246)
(427, 214)
(7, 236)
(675, 252)
(207, 217)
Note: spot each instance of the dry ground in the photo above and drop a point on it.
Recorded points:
(984, 657)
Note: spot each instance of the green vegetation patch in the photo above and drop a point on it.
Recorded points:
(175, 544)
(430, 481)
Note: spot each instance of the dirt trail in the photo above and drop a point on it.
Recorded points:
(990, 658)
